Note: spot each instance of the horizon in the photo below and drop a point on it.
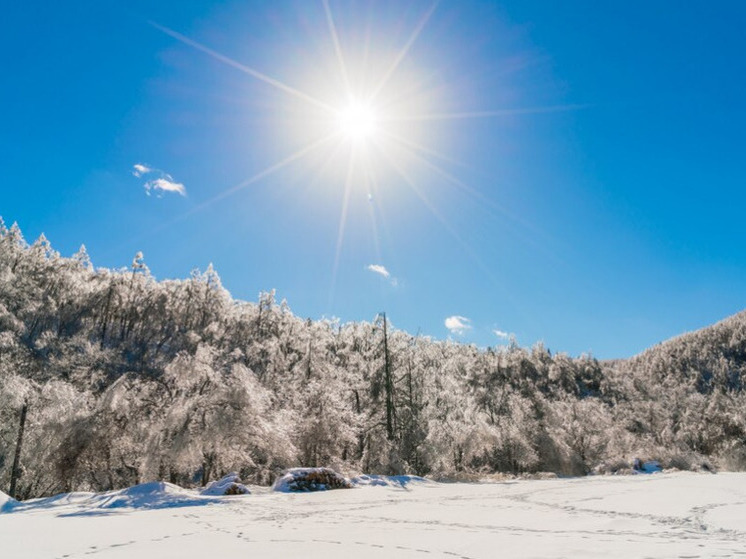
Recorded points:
(474, 170)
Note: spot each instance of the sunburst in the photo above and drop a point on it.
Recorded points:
(368, 126)
(358, 122)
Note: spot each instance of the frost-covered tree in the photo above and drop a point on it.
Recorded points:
(129, 379)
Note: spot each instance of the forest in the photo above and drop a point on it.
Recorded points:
(109, 378)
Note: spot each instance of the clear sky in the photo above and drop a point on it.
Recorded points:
(571, 172)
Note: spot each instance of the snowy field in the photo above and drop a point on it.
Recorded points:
(680, 515)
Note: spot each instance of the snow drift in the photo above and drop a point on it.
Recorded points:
(153, 495)
(227, 485)
(388, 481)
(6, 501)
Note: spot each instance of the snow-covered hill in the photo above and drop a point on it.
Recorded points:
(660, 515)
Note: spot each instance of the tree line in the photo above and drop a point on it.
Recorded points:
(109, 378)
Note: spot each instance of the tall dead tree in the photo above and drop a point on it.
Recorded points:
(16, 471)
(388, 384)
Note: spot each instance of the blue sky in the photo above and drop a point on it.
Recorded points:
(586, 188)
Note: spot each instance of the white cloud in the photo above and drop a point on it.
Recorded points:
(165, 185)
(140, 169)
(163, 182)
(458, 324)
(501, 334)
(381, 270)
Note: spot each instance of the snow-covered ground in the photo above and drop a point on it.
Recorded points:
(680, 515)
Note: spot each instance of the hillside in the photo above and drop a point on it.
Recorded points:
(127, 379)
(713, 358)
(689, 391)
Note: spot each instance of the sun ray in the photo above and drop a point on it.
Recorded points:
(420, 194)
(243, 184)
(444, 222)
(405, 49)
(372, 123)
(487, 202)
(341, 229)
(338, 49)
(266, 172)
(370, 187)
(486, 114)
(414, 149)
(242, 67)
(314, 182)
(415, 146)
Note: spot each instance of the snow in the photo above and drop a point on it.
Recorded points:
(153, 495)
(661, 516)
(387, 481)
(228, 485)
(310, 479)
(4, 499)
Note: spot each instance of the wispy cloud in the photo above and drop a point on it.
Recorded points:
(501, 334)
(458, 324)
(383, 272)
(507, 338)
(161, 183)
(140, 169)
(165, 185)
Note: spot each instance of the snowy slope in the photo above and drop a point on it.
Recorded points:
(4, 500)
(153, 495)
(663, 515)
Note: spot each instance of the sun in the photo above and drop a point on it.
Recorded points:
(366, 120)
(357, 121)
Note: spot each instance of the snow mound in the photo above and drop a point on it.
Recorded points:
(310, 479)
(228, 485)
(153, 495)
(388, 481)
(76, 498)
(6, 501)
